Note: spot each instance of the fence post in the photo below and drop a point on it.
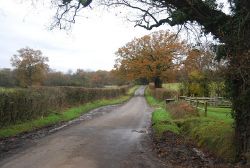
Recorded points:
(197, 103)
(205, 108)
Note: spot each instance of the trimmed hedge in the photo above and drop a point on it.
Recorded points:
(25, 104)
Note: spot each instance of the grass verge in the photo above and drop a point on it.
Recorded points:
(66, 115)
(213, 133)
(161, 119)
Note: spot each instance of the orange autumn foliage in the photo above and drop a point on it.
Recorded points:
(152, 56)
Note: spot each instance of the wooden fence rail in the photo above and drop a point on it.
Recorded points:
(212, 101)
(196, 103)
(204, 102)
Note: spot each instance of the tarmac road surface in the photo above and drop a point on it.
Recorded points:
(112, 140)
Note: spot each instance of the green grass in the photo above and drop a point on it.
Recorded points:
(209, 133)
(160, 115)
(57, 117)
(162, 122)
(223, 114)
(3, 89)
(152, 101)
(214, 133)
(111, 86)
(218, 113)
(172, 86)
(161, 119)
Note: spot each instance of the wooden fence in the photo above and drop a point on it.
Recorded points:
(201, 103)
(211, 101)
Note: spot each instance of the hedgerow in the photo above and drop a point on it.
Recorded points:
(25, 104)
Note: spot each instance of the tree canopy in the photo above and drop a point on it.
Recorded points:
(154, 13)
(150, 56)
(200, 72)
(31, 66)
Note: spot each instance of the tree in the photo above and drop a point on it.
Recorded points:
(117, 78)
(232, 30)
(56, 79)
(30, 65)
(150, 56)
(196, 70)
(82, 78)
(7, 78)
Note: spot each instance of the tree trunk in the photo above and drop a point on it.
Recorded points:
(242, 135)
(239, 84)
(241, 80)
(241, 107)
(157, 82)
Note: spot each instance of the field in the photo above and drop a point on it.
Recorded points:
(214, 132)
(172, 86)
(223, 114)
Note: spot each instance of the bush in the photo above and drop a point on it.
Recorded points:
(151, 86)
(26, 104)
(182, 110)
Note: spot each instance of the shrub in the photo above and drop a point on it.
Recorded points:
(151, 86)
(182, 110)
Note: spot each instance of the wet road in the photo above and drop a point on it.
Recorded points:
(108, 141)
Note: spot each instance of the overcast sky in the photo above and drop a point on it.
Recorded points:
(90, 44)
